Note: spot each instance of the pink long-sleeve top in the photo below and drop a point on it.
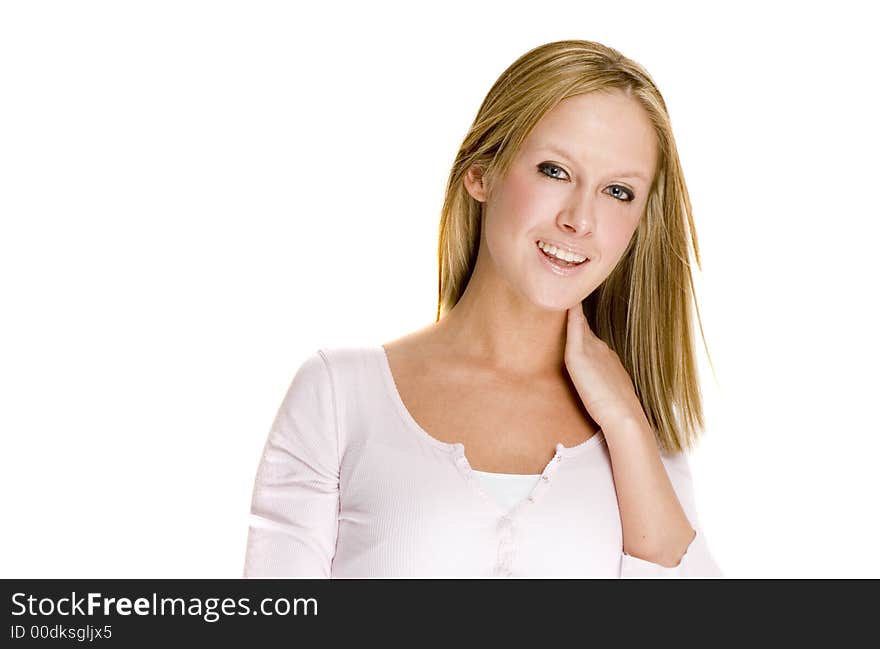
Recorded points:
(350, 486)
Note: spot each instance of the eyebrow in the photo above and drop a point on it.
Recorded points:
(560, 151)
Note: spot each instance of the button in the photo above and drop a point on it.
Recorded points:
(502, 571)
(559, 458)
(531, 499)
(545, 478)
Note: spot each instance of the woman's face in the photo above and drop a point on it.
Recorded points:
(580, 181)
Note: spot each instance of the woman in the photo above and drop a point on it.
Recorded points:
(508, 439)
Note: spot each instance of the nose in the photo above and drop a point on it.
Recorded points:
(578, 220)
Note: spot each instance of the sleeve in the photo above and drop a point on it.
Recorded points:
(295, 502)
(697, 561)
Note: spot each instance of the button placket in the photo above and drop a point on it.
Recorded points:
(506, 546)
(550, 468)
(501, 572)
(544, 480)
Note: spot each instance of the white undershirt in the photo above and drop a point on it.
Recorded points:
(509, 489)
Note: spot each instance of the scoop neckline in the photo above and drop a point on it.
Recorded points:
(458, 447)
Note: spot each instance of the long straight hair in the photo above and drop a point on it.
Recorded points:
(642, 309)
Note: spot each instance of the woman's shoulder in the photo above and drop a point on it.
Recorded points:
(342, 368)
(340, 355)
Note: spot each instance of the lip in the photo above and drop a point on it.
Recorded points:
(564, 271)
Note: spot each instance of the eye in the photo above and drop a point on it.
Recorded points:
(550, 165)
(618, 190)
(630, 196)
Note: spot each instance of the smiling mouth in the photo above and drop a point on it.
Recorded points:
(561, 262)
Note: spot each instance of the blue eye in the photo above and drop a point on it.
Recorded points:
(550, 166)
(628, 193)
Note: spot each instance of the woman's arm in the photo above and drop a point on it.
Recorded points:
(658, 514)
(655, 527)
(660, 535)
(295, 504)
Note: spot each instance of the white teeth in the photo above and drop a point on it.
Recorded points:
(560, 254)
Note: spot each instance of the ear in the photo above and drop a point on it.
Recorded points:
(473, 182)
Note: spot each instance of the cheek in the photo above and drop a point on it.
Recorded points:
(508, 229)
(522, 203)
(617, 234)
(620, 233)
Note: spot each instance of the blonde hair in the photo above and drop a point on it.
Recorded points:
(642, 309)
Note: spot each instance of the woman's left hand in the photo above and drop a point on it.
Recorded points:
(604, 385)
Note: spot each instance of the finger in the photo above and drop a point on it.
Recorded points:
(580, 310)
(577, 312)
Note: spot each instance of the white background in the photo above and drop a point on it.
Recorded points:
(197, 195)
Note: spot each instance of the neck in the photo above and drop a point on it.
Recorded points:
(500, 329)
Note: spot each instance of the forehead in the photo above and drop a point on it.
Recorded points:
(598, 131)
